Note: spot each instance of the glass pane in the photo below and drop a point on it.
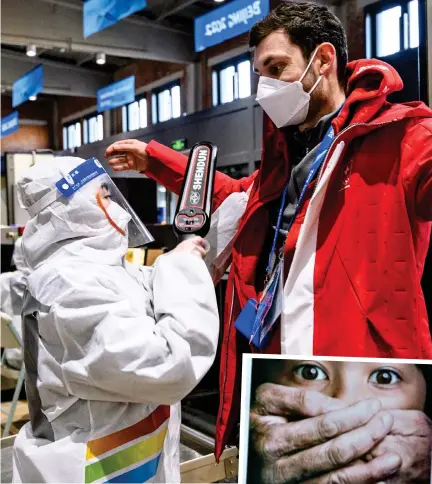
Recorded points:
(161, 204)
(368, 34)
(405, 31)
(143, 113)
(78, 134)
(100, 127)
(133, 116)
(71, 136)
(65, 143)
(388, 31)
(244, 79)
(124, 119)
(176, 102)
(164, 105)
(227, 84)
(92, 130)
(413, 13)
(85, 129)
(215, 88)
(154, 109)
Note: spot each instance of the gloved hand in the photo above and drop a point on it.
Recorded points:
(197, 246)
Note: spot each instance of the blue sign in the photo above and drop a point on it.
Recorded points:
(31, 84)
(128, 7)
(100, 14)
(9, 124)
(234, 18)
(116, 95)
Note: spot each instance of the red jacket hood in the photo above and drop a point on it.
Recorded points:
(369, 83)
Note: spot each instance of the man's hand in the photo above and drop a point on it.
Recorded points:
(333, 437)
(129, 154)
(411, 438)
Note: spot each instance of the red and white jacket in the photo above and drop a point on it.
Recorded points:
(354, 257)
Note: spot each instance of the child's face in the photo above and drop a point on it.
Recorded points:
(398, 386)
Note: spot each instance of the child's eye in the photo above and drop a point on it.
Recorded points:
(310, 372)
(384, 377)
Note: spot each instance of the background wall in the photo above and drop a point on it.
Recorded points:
(195, 80)
(29, 137)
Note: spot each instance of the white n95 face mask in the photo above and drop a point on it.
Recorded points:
(286, 103)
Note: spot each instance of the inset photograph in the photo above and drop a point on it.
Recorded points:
(335, 420)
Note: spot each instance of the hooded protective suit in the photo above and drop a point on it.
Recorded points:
(13, 285)
(110, 349)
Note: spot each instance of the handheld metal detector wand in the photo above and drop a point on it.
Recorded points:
(193, 214)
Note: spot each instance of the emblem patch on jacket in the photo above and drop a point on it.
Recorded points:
(345, 176)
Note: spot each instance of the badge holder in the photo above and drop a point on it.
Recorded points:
(256, 320)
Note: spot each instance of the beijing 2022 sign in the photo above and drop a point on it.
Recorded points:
(234, 18)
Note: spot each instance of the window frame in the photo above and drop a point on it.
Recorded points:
(218, 68)
(154, 99)
(65, 129)
(138, 99)
(374, 10)
(86, 119)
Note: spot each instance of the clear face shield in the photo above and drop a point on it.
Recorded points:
(92, 181)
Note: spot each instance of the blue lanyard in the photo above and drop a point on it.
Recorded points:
(320, 155)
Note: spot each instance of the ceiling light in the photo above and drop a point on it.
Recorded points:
(219, 1)
(100, 58)
(31, 50)
(32, 98)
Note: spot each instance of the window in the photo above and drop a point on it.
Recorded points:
(72, 135)
(93, 128)
(231, 80)
(134, 115)
(391, 27)
(87, 130)
(166, 103)
(388, 26)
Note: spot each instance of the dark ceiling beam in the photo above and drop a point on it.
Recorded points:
(38, 22)
(59, 78)
(180, 5)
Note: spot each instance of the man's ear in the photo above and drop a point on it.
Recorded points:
(327, 58)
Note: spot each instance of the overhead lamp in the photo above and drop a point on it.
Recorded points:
(31, 50)
(219, 1)
(32, 98)
(100, 58)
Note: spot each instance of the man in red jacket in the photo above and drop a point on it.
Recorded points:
(354, 248)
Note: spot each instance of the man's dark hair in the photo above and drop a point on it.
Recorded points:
(307, 25)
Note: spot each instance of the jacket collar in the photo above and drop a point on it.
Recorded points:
(369, 82)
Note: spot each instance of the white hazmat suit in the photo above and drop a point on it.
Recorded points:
(110, 349)
(12, 286)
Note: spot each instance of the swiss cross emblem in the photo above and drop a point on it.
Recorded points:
(346, 172)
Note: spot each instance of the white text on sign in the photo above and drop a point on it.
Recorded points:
(240, 16)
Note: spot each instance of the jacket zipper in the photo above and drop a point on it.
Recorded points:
(337, 139)
(319, 177)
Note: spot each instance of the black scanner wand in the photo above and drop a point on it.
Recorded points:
(193, 213)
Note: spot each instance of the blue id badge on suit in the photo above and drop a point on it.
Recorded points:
(257, 319)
